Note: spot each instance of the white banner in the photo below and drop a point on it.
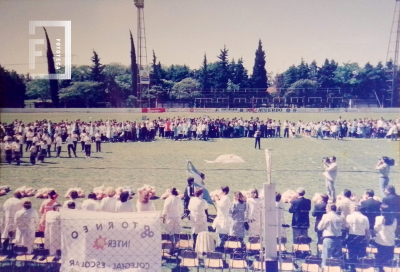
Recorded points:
(144, 75)
(101, 241)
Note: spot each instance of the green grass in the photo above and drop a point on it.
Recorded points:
(296, 162)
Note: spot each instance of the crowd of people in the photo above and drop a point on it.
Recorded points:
(342, 222)
(38, 137)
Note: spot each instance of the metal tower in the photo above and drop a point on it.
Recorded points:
(393, 54)
(143, 69)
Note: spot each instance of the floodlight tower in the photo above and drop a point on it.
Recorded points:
(393, 54)
(144, 77)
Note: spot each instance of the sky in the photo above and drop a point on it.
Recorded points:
(182, 31)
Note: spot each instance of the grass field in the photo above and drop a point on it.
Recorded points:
(162, 163)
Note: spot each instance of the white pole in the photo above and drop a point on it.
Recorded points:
(270, 220)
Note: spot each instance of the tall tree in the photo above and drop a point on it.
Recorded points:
(222, 76)
(97, 69)
(259, 77)
(326, 74)
(303, 70)
(134, 70)
(156, 73)
(52, 70)
(204, 75)
(240, 76)
(291, 75)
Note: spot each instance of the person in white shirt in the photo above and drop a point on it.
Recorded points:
(198, 217)
(53, 230)
(358, 226)
(26, 221)
(10, 208)
(330, 175)
(385, 226)
(222, 220)
(88, 145)
(16, 148)
(97, 137)
(58, 142)
(172, 213)
(253, 213)
(108, 203)
(73, 198)
(90, 204)
(71, 146)
(123, 204)
(331, 226)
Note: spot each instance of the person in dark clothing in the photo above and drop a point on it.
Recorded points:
(188, 194)
(371, 208)
(392, 200)
(300, 208)
(257, 136)
(319, 211)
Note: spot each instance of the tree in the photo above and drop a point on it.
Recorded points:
(186, 88)
(97, 69)
(134, 70)
(222, 75)
(156, 73)
(303, 70)
(291, 75)
(326, 74)
(240, 75)
(116, 94)
(313, 71)
(52, 70)
(38, 89)
(176, 73)
(232, 87)
(12, 89)
(81, 93)
(259, 77)
(302, 88)
(204, 75)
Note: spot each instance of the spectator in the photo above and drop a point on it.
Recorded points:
(53, 230)
(344, 207)
(26, 221)
(383, 166)
(392, 200)
(319, 211)
(358, 226)
(198, 218)
(47, 205)
(73, 198)
(385, 226)
(172, 213)
(108, 203)
(280, 209)
(10, 208)
(331, 226)
(124, 205)
(371, 208)
(237, 213)
(222, 220)
(187, 195)
(253, 213)
(300, 208)
(90, 204)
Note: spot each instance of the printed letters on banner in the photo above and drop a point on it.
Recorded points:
(153, 110)
(102, 241)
